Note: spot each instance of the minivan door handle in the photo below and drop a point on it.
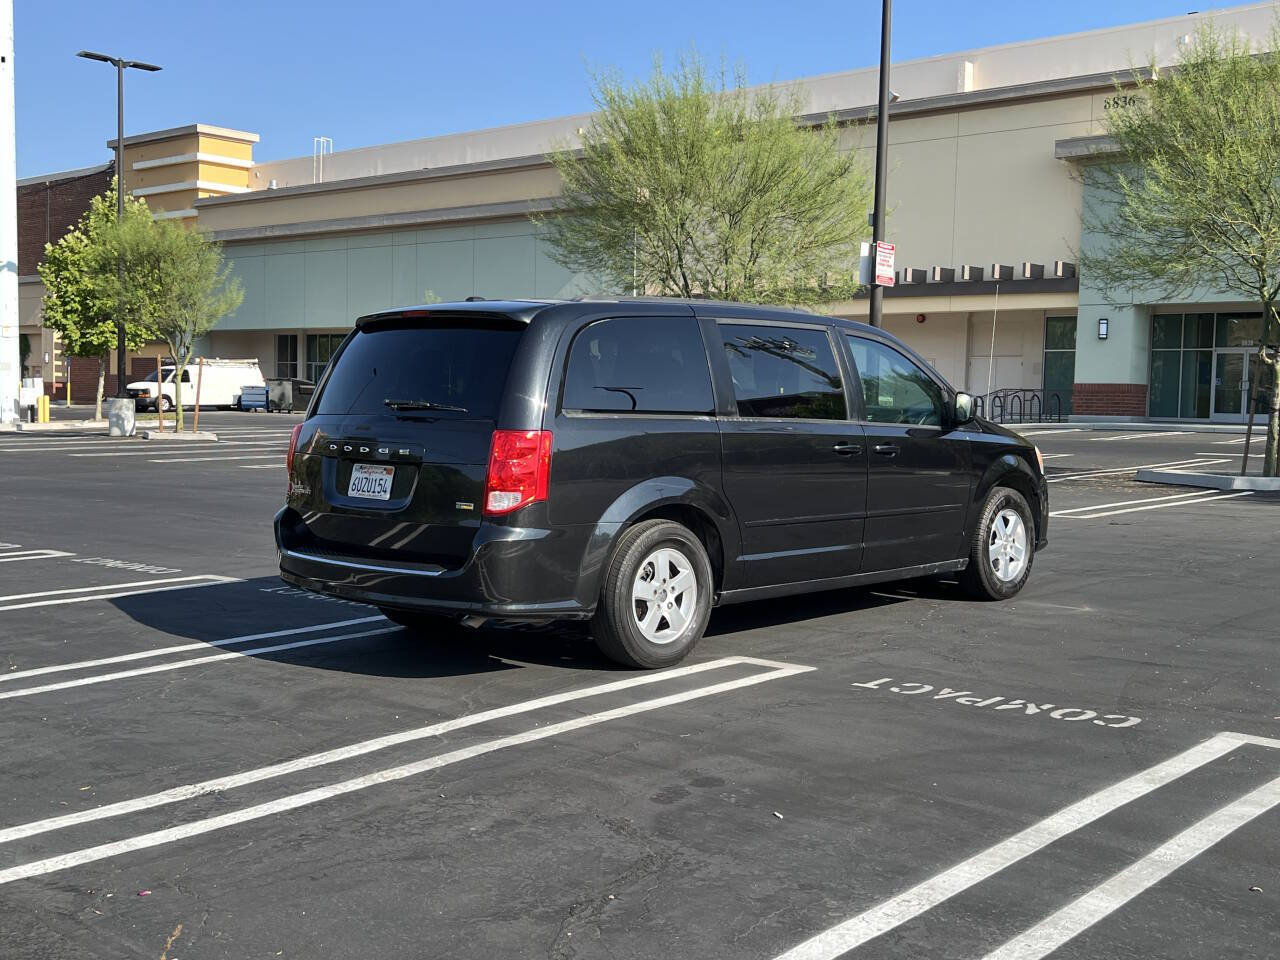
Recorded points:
(847, 449)
(886, 449)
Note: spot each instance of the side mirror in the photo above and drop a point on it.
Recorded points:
(963, 408)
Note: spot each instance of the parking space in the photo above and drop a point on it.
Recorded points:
(200, 762)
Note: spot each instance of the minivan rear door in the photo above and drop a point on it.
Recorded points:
(404, 421)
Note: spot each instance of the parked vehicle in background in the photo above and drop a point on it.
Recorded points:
(220, 384)
(637, 462)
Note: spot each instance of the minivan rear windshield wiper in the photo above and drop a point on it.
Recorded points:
(422, 405)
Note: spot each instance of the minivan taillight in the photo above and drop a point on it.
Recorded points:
(519, 468)
(288, 460)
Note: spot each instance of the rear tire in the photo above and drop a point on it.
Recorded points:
(1002, 547)
(166, 405)
(656, 597)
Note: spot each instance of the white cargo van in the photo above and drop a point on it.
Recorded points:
(219, 385)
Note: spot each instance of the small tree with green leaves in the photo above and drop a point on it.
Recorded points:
(78, 304)
(188, 286)
(683, 187)
(1190, 200)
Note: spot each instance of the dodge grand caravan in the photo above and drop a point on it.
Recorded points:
(637, 462)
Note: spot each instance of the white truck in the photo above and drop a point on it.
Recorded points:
(219, 384)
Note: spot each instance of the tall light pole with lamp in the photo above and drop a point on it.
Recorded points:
(882, 165)
(121, 66)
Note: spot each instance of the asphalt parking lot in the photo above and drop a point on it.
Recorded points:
(199, 762)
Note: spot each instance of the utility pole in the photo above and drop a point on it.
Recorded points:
(119, 407)
(10, 361)
(882, 165)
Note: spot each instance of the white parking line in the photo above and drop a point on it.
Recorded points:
(183, 664)
(1236, 440)
(1072, 920)
(1054, 456)
(264, 456)
(261, 466)
(148, 451)
(1127, 503)
(1144, 436)
(1038, 433)
(925, 896)
(1088, 474)
(180, 648)
(33, 555)
(117, 446)
(294, 801)
(112, 591)
(1156, 506)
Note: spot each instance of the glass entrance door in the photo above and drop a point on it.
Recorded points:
(1230, 385)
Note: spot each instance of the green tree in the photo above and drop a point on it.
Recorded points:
(77, 303)
(1190, 199)
(687, 188)
(187, 286)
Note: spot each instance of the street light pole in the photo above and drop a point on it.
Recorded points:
(121, 65)
(882, 166)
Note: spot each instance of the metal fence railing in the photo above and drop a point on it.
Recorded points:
(1024, 405)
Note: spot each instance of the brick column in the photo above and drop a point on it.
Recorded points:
(1109, 399)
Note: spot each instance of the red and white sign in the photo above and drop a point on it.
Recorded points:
(884, 264)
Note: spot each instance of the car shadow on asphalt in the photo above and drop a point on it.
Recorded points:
(786, 611)
(273, 618)
(277, 622)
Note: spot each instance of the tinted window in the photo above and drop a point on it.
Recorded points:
(895, 390)
(456, 363)
(639, 365)
(783, 372)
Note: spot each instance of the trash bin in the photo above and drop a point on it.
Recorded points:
(288, 393)
(253, 398)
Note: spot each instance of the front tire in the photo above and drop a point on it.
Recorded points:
(166, 405)
(656, 598)
(1002, 547)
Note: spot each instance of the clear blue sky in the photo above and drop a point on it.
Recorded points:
(381, 70)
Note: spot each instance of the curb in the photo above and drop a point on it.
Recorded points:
(204, 435)
(1211, 481)
(1138, 426)
(56, 425)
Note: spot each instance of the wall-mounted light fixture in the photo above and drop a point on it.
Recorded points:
(1104, 327)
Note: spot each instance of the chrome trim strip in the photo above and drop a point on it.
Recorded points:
(351, 564)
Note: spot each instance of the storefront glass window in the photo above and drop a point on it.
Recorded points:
(320, 347)
(1059, 363)
(1166, 371)
(1197, 379)
(1239, 330)
(1197, 331)
(1166, 332)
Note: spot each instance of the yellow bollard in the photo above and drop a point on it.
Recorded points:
(42, 409)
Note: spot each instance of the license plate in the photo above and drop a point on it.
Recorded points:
(371, 481)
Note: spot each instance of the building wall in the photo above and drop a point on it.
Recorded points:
(47, 209)
(981, 185)
(326, 282)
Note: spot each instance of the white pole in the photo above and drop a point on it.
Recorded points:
(991, 357)
(10, 369)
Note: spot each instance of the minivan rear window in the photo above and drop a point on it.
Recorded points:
(639, 365)
(454, 368)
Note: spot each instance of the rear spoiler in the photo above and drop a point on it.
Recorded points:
(444, 316)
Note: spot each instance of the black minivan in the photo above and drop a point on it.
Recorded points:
(637, 462)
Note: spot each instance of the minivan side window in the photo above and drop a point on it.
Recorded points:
(895, 390)
(639, 365)
(784, 372)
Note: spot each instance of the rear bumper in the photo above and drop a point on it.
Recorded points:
(513, 573)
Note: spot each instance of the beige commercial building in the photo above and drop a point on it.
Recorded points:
(985, 213)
